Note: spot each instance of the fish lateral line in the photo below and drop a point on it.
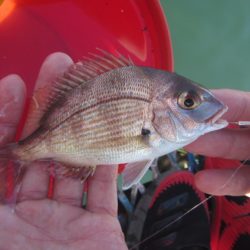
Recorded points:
(47, 99)
(102, 102)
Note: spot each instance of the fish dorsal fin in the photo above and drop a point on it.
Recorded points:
(133, 173)
(46, 98)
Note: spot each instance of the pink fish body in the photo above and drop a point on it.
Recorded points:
(108, 111)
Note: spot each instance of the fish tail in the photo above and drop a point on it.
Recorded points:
(11, 173)
(7, 152)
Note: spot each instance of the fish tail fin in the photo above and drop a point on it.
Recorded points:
(7, 152)
(11, 173)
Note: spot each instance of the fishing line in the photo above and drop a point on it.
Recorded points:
(193, 208)
(241, 123)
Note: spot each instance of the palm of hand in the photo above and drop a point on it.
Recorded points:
(48, 224)
(61, 223)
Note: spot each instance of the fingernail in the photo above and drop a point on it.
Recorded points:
(12, 94)
(9, 88)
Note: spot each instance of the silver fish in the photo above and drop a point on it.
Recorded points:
(105, 110)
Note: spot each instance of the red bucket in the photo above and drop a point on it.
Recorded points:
(32, 29)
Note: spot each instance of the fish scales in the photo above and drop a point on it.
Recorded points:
(105, 117)
(109, 112)
(112, 85)
(105, 110)
(99, 134)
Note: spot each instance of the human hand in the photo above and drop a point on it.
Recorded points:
(228, 144)
(61, 222)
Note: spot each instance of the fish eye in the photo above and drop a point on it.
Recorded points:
(188, 100)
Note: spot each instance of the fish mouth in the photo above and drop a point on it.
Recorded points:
(216, 119)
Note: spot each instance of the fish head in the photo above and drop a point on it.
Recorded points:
(184, 110)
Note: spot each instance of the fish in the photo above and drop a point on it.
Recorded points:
(107, 110)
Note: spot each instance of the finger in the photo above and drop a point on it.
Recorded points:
(224, 182)
(12, 99)
(54, 66)
(68, 191)
(225, 143)
(102, 191)
(37, 179)
(231, 144)
(238, 103)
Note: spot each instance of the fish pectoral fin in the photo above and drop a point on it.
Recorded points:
(133, 173)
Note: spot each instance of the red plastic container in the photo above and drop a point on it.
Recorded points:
(32, 29)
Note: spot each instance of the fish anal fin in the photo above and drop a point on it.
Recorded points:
(65, 171)
(133, 173)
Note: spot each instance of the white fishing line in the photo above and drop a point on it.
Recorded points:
(193, 208)
(171, 223)
(241, 123)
